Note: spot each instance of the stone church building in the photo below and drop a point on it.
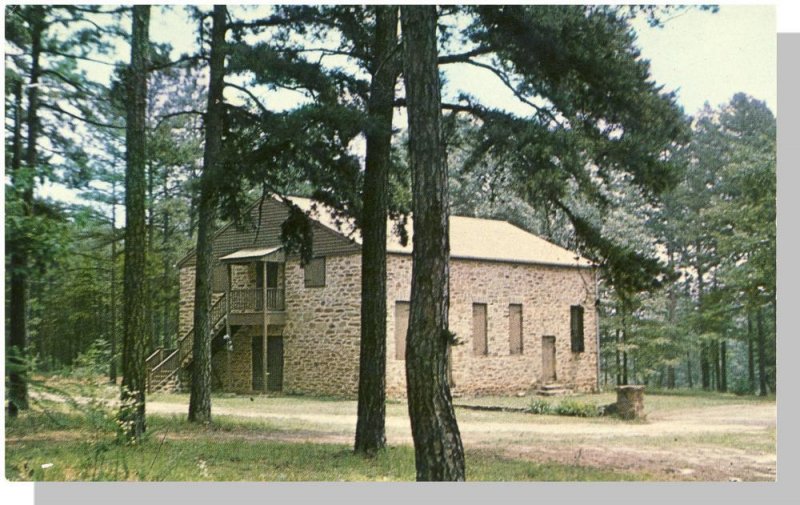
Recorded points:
(523, 307)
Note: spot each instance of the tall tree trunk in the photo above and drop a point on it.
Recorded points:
(135, 293)
(151, 316)
(618, 355)
(723, 366)
(370, 428)
(762, 344)
(438, 451)
(715, 360)
(112, 366)
(166, 325)
(23, 181)
(751, 371)
(200, 397)
(689, 369)
(704, 375)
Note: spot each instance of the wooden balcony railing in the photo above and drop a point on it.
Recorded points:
(252, 300)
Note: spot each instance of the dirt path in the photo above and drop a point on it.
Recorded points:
(698, 444)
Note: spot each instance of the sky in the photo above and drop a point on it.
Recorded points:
(703, 56)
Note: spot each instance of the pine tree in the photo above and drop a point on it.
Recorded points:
(438, 450)
(200, 398)
(135, 336)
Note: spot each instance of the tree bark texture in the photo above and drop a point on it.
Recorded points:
(438, 450)
(370, 428)
(135, 332)
(200, 397)
(24, 180)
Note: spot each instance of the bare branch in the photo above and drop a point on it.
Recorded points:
(246, 91)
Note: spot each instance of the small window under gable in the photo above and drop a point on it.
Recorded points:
(314, 273)
(576, 328)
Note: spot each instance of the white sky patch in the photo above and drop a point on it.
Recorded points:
(711, 56)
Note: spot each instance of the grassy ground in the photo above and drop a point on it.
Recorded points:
(655, 400)
(687, 436)
(174, 450)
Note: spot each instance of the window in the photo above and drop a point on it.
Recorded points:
(219, 279)
(515, 328)
(401, 313)
(479, 345)
(314, 273)
(576, 326)
(259, 275)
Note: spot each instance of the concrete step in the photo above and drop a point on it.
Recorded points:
(554, 390)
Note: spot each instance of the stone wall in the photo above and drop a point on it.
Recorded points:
(186, 306)
(545, 293)
(233, 370)
(321, 337)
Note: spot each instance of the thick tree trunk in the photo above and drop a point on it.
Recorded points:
(762, 345)
(689, 369)
(370, 428)
(200, 397)
(24, 180)
(135, 337)
(438, 451)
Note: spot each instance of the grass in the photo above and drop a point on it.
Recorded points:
(177, 451)
(655, 400)
(294, 438)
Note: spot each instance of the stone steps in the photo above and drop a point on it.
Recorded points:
(554, 390)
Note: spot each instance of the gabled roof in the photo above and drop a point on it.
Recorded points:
(470, 238)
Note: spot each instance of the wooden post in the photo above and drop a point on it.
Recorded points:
(228, 303)
(265, 324)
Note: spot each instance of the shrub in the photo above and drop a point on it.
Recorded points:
(540, 407)
(576, 408)
(94, 361)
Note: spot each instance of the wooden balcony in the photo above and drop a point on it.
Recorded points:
(246, 306)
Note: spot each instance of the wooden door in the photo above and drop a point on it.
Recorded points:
(548, 359)
(257, 350)
(275, 363)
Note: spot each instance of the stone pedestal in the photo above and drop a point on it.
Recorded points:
(630, 402)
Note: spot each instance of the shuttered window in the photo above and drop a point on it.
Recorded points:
(479, 345)
(219, 279)
(576, 325)
(314, 273)
(515, 328)
(401, 312)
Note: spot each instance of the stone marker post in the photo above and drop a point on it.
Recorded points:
(630, 402)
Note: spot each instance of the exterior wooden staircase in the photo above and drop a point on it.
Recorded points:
(164, 365)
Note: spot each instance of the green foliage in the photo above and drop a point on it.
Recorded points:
(569, 407)
(93, 362)
(539, 406)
